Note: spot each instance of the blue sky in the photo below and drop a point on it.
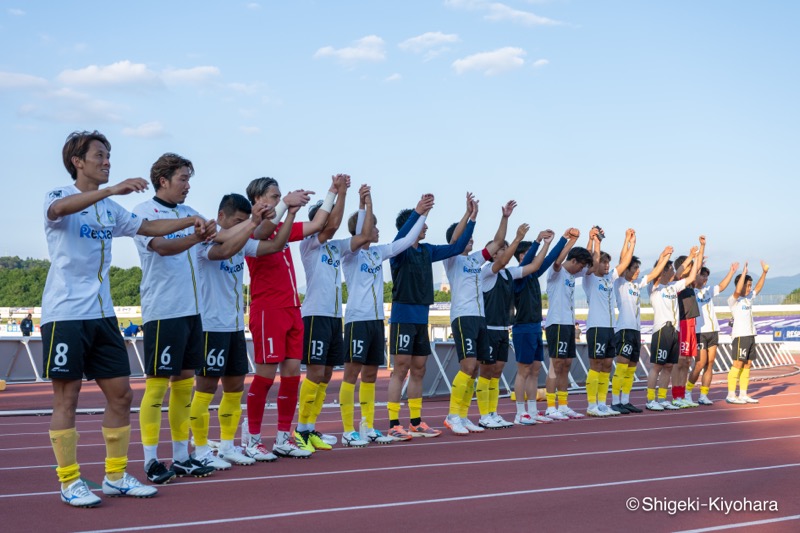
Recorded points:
(672, 117)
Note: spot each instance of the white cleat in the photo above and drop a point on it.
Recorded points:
(524, 419)
(471, 426)
(235, 456)
(78, 495)
(653, 405)
(554, 414)
(454, 424)
(747, 399)
(667, 405)
(128, 486)
(565, 410)
(732, 398)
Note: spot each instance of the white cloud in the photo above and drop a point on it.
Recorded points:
(192, 76)
(244, 88)
(116, 74)
(491, 63)
(250, 130)
(148, 130)
(13, 80)
(370, 48)
(539, 63)
(16, 12)
(394, 77)
(501, 12)
(253, 5)
(426, 41)
(68, 105)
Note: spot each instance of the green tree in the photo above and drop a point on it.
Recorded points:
(792, 298)
(125, 285)
(387, 292)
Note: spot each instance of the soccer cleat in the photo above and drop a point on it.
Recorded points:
(454, 424)
(158, 473)
(127, 486)
(653, 405)
(236, 456)
(502, 421)
(541, 419)
(289, 448)
(302, 440)
(210, 459)
(689, 403)
(732, 398)
(191, 467)
(316, 440)
(632, 408)
(565, 410)
(594, 411)
(329, 439)
(667, 405)
(554, 414)
(705, 400)
(375, 435)
(78, 495)
(488, 422)
(688, 397)
(353, 440)
(471, 426)
(603, 408)
(621, 409)
(399, 433)
(680, 403)
(256, 450)
(747, 399)
(423, 430)
(524, 419)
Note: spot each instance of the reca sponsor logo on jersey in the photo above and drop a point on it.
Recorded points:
(326, 260)
(372, 270)
(89, 233)
(231, 269)
(468, 270)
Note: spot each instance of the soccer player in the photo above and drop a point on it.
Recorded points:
(79, 330)
(598, 284)
(688, 312)
(468, 322)
(707, 332)
(363, 322)
(664, 352)
(412, 294)
(743, 334)
(527, 329)
(275, 320)
(172, 328)
(560, 323)
(497, 285)
(221, 267)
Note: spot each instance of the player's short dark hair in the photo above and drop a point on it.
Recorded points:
(635, 261)
(77, 145)
(449, 233)
(666, 265)
(402, 217)
(233, 203)
(581, 255)
(166, 166)
(522, 249)
(352, 222)
(679, 261)
(746, 279)
(704, 271)
(258, 187)
(605, 256)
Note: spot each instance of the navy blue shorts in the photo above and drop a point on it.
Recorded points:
(528, 343)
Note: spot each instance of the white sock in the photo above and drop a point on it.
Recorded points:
(201, 451)
(226, 445)
(281, 437)
(180, 450)
(150, 454)
(625, 398)
(521, 408)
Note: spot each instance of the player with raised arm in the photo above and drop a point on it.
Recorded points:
(743, 345)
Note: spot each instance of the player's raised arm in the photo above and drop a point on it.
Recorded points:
(662, 262)
(626, 254)
(762, 278)
(728, 277)
(502, 229)
(571, 235)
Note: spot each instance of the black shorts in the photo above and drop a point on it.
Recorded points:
(226, 354)
(74, 348)
(600, 342)
(471, 337)
(498, 347)
(665, 346)
(744, 348)
(628, 344)
(173, 345)
(560, 341)
(409, 339)
(322, 341)
(707, 340)
(366, 342)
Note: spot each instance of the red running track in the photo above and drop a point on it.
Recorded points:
(566, 476)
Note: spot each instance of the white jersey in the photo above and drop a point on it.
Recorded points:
(363, 273)
(464, 274)
(323, 265)
(629, 303)
(600, 294)
(561, 297)
(222, 288)
(79, 245)
(707, 321)
(169, 286)
(742, 311)
(664, 300)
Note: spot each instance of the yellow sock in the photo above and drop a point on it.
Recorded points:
(651, 395)
(592, 379)
(704, 390)
(619, 377)
(662, 394)
(319, 402)
(415, 408)
(466, 400)
(347, 401)
(551, 399)
(482, 392)
(563, 398)
(602, 387)
(744, 381)
(733, 378)
(150, 409)
(689, 386)
(627, 385)
(230, 412)
(366, 397)
(460, 383)
(199, 418)
(494, 394)
(65, 448)
(117, 441)
(180, 403)
(394, 410)
(308, 395)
